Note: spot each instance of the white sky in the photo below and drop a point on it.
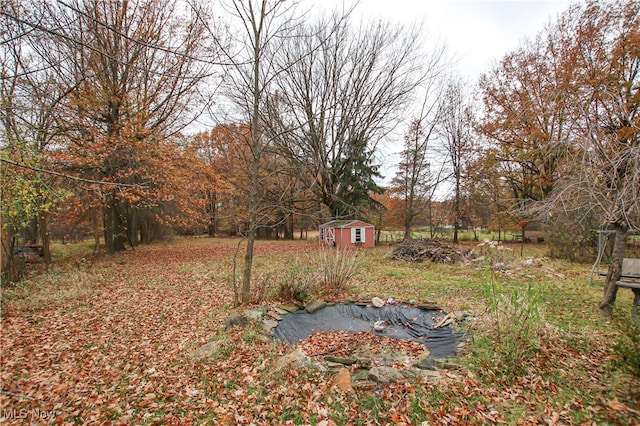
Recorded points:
(477, 32)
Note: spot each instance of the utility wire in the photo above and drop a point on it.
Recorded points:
(76, 178)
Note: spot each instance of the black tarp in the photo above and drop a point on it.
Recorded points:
(403, 322)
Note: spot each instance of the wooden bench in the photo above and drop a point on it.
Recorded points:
(31, 253)
(518, 238)
(630, 277)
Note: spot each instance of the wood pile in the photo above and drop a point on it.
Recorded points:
(428, 249)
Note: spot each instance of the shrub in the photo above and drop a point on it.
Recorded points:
(260, 288)
(297, 283)
(326, 272)
(336, 267)
(510, 334)
(570, 239)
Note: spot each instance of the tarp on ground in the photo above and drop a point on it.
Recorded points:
(403, 322)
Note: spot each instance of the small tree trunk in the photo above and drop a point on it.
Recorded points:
(615, 268)
(108, 221)
(248, 263)
(133, 230)
(120, 227)
(95, 224)
(45, 237)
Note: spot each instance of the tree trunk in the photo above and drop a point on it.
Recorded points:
(407, 227)
(119, 226)
(212, 228)
(248, 263)
(615, 268)
(456, 214)
(45, 237)
(133, 230)
(408, 217)
(95, 223)
(108, 221)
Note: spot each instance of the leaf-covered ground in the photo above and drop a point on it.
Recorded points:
(107, 342)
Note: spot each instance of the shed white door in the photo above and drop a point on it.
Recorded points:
(329, 235)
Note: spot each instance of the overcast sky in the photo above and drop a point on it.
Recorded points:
(478, 32)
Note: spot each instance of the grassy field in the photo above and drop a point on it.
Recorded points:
(107, 341)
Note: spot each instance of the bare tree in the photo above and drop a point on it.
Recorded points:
(418, 174)
(264, 26)
(457, 143)
(335, 104)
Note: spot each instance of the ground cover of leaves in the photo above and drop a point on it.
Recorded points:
(111, 346)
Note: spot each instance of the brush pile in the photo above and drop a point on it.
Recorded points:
(427, 249)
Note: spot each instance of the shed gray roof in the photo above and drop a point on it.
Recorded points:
(342, 223)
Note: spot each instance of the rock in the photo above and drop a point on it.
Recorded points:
(254, 314)
(377, 302)
(364, 385)
(208, 350)
(499, 266)
(385, 375)
(343, 380)
(341, 360)
(360, 381)
(426, 364)
(235, 320)
(360, 375)
(290, 309)
(274, 315)
(428, 307)
(294, 359)
(434, 364)
(430, 374)
(364, 362)
(314, 306)
(451, 366)
(282, 311)
(379, 325)
(333, 367)
(269, 325)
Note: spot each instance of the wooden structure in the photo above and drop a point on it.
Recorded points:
(348, 234)
(630, 277)
(604, 241)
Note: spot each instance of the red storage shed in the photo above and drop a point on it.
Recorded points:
(348, 234)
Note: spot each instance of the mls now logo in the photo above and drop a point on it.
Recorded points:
(13, 413)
